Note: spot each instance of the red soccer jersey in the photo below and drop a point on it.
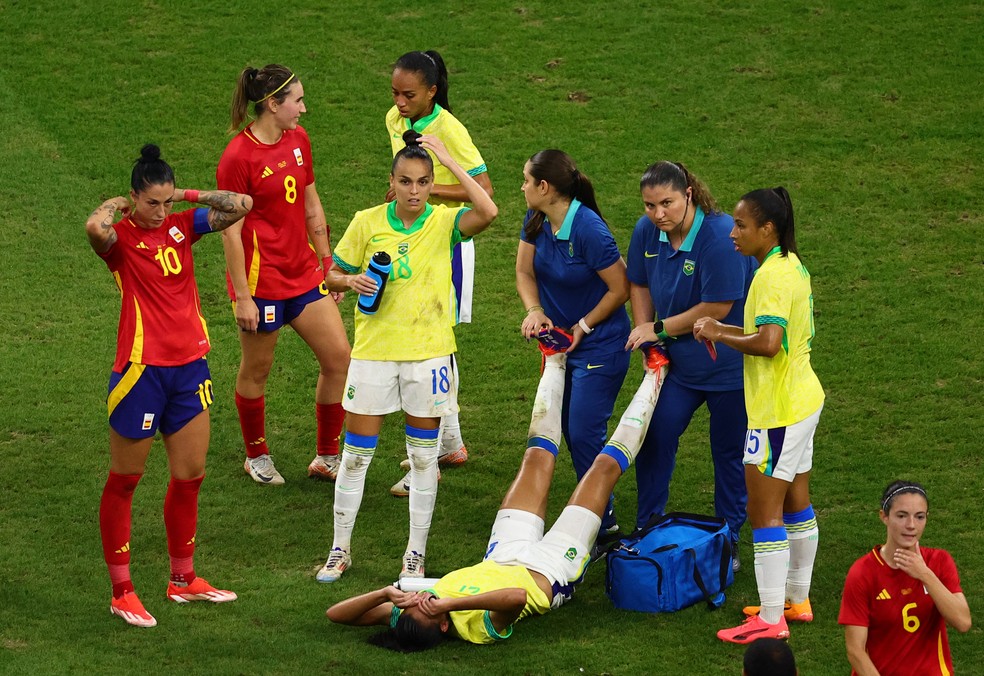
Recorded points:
(161, 322)
(280, 262)
(906, 633)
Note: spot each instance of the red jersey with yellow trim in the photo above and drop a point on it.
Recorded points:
(906, 633)
(161, 322)
(280, 262)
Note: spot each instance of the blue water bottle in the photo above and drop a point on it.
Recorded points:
(379, 270)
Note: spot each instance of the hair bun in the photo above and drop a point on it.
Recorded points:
(411, 137)
(150, 153)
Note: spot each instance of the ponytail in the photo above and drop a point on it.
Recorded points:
(432, 70)
(774, 204)
(559, 170)
(256, 86)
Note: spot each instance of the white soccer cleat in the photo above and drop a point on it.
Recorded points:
(339, 560)
(413, 565)
(401, 488)
(325, 467)
(262, 470)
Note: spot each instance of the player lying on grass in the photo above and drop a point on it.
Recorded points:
(524, 572)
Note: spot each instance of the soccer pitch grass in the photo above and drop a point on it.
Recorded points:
(869, 113)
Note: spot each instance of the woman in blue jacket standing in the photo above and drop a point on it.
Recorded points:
(682, 266)
(570, 275)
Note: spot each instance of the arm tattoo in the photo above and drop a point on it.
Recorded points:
(227, 208)
(220, 200)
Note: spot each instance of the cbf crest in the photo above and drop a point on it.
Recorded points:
(689, 266)
(351, 392)
(402, 248)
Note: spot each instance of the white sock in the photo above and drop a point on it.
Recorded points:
(802, 553)
(422, 452)
(350, 486)
(627, 438)
(545, 423)
(771, 565)
(450, 434)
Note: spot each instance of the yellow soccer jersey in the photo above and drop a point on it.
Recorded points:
(453, 135)
(414, 318)
(784, 389)
(475, 626)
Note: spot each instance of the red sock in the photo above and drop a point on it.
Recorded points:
(252, 421)
(181, 521)
(330, 419)
(114, 526)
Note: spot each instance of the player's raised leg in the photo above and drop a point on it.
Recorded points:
(595, 487)
(529, 490)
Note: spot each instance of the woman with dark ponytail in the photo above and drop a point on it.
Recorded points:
(681, 266)
(276, 262)
(420, 103)
(783, 400)
(900, 597)
(570, 275)
(160, 379)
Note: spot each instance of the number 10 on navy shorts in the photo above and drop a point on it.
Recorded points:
(143, 399)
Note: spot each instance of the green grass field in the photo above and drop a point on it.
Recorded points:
(869, 113)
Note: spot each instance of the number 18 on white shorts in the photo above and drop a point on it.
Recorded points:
(425, 389)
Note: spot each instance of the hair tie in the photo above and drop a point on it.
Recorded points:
(277, 89)
(430, 58)
(903, 489)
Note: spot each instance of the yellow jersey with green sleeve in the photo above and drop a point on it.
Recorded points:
(783, 389)
(453, 135)
(414, 319)
(475, 626)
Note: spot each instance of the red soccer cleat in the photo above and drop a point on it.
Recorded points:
(198, 590)
(131, 610)
(754, 628)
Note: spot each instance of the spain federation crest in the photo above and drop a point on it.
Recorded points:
(689, 266)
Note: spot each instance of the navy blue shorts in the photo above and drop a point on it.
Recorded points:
(144, 398)
(275, 313)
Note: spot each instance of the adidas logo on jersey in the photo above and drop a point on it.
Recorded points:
(266, 172)
(883, 595)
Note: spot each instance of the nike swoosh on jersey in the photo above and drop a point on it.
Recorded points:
(376, 238)
(649, 255)
(594, 366)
